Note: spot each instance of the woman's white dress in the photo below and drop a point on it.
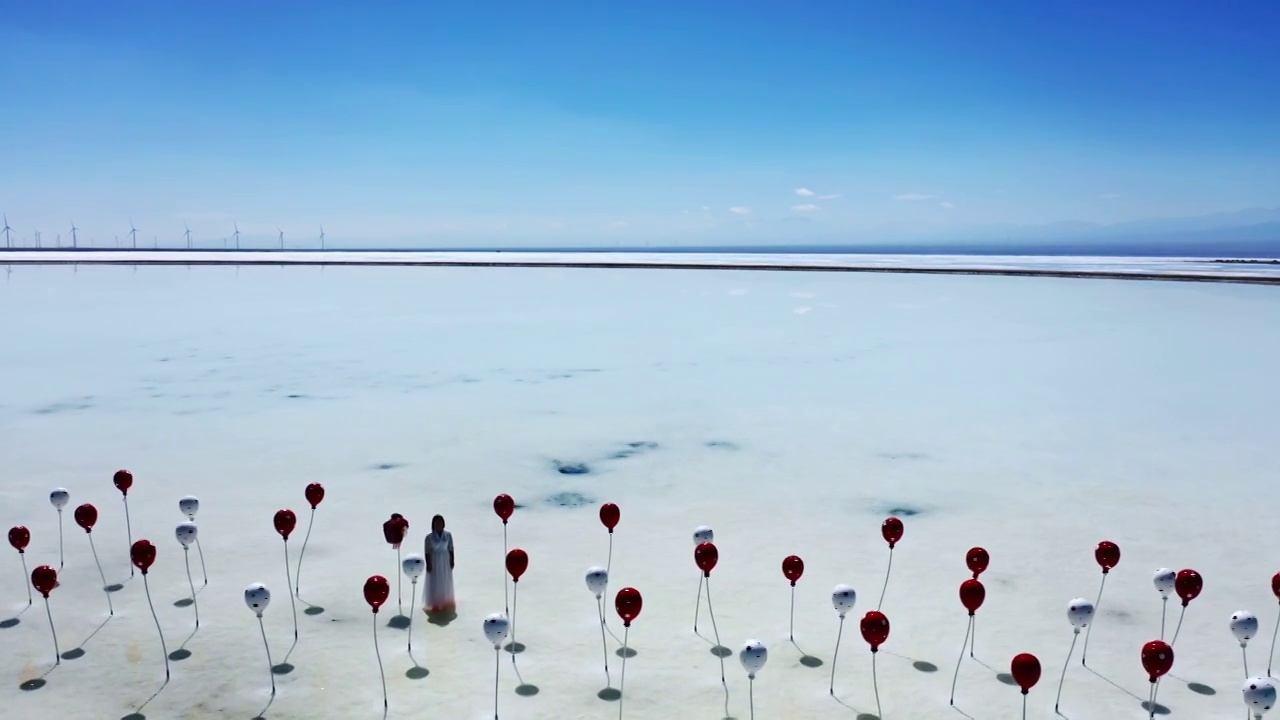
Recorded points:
(439, 588)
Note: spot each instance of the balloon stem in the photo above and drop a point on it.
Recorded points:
(1024, 706)
(1270, 658)
(751, 696)
(791, 633)
(186, 557)
(716, 633)
(297, 577)
(413, 590)
(834, 655)
(110, 605)
(697, 606)
(61, 556)
(159, 631)
(875, 683)
(26, 580)
(885, 587)
(515, 595)
(1155, 690)
(128, 528)
(1178, 629)
(1164, 611)
(203, 570)
(973, 636)
(608, 566)
(292, 602)
(1075, 636)
(604, 643)
(270, 665)
(497, 668)
(57, 653)
(378, 653)
(506, 598)
(399, 583)
(1089, 631)
(967, 631)
(622, 680)
(1244, 654)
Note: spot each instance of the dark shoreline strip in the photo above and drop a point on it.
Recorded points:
(1015, 272)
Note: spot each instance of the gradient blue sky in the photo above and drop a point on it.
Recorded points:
(457, 122)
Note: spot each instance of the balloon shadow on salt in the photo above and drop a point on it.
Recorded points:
(806, 659)
(78, 652)
(524, 689)
(13, 621)
(610, 694)
(182, 653)
(399, 622)
(311, 609)
(1160, 709)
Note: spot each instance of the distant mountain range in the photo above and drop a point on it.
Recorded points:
(1254, 232)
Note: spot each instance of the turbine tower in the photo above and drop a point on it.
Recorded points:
(281, 237)
(187, 235)
(133, 233)
(237, 235)
(321, 237)
(8, 232)
(74, 241)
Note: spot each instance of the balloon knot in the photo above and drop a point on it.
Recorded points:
(793, 583)
(626, 624)
(1025, 691)
(972, 613)
(706, 574)
(891, 544)
(1186, 603)
(1106, 570)
(875, 648)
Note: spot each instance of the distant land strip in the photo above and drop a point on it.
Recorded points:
(1172, 276)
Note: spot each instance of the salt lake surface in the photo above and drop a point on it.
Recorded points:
(791, 412)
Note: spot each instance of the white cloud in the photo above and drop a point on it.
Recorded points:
(807, 207)
(1109, 196)
(912, 197)
(804, 192)
(946, 205)
(740, 210)
(829, 197)
(618, 224)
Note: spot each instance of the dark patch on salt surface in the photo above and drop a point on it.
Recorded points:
(1201, 689)
(82, 403)
(1006, 678)
(903, 456)
(571, 468)
(904, 510)
(633, 448)
(519, 506)
(1121, 615)
(722, 445)
(569, 500)
(297, 396)
(387, 466)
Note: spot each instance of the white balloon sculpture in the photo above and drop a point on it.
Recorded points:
(753, 656)
(189, 505)
(1244, 625)
(59, 499)
(257, 597)
(1259, 695)
(186, 533)
(414, 567)
(1164, 579)
(1079, 614)
(843, 598)
(496, 627)
(597, 582)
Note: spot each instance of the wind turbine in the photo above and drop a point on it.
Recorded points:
(38, 242)
(321, 237)
(74, 242)
(8, 242)
(187, 234)
(281, 237)
(133, 232)
(237, 234)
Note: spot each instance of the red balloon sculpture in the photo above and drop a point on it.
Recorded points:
(143, 555)
(875, 630)
(1157, 660)
(315, 495)
(1107, 556)
(504, 507)
(86, 517)
(610, 515)
(1188, 585)
(1275, 590)
(891, 530)
(972, 595)
(20, 538)
(977, 559)
(627, 603)
(285, 521)
(44, 578)
(394, 531)
(123, 480)
(792, 569)
(517, 562)
(376, 592)
(1025, 670)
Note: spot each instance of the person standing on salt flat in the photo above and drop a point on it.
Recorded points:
(438, 552)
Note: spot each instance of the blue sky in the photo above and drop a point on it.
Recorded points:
(461, 122)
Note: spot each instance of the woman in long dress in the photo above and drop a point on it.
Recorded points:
(438, 551)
